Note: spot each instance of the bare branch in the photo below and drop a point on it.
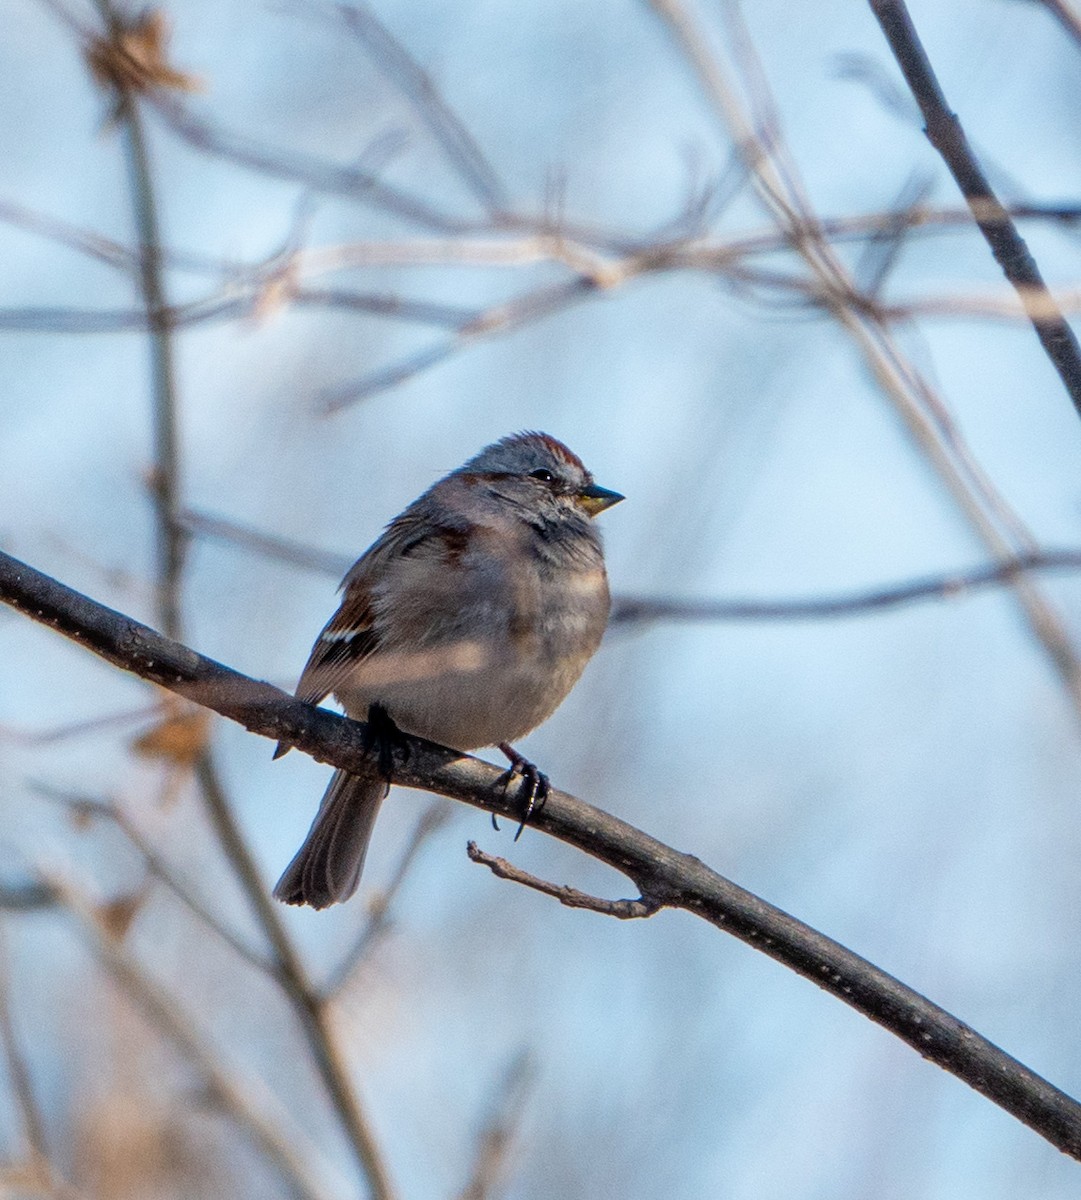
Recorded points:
(25, 897)
(628, 610)
(76, 729)
(84, 241)
(1066, 15)
(501, 318)
(307, 1004)
(157, 866)
(268, 545)
(944, 131)
(661, 873)
(780, 191)
(18, 1071)
(353, 182)
(124, 72)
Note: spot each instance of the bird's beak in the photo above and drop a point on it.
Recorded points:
(596, 499)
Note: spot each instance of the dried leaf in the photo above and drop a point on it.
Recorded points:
(117, 915)
(180, 738)
(132, 57)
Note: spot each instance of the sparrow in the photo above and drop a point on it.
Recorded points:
(466, 623)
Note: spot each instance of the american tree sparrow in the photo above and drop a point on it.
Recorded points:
(466, 623)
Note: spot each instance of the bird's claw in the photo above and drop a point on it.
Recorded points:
(534, 789)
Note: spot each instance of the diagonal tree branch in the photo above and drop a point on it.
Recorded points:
(1067, 16)
(458, 143)
(664, 876)
(944, 132)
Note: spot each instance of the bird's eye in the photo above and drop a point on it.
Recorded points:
(543, 475)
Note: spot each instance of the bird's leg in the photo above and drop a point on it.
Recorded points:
(383, 738)
(535, 784)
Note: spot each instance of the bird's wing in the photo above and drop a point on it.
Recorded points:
(352, 635)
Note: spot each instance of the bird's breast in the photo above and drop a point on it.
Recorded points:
(492, 663)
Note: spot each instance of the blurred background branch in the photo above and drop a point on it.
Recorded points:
(945, 133)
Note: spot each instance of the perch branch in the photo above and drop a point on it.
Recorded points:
(668, 877)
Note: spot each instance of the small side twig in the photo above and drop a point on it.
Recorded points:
(622, 910)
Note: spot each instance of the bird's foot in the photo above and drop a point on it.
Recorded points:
(383, 738)
(535, 786)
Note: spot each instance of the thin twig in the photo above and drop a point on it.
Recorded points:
(944, 131)
(157, 866)
(164, 483)
(18, 1071)
(353, 182)
(24, 897)
(77, 729)
(633, 610)
(663, 874)
(256, 298)
(629, 610)
(501, 318)
(457, 142)
(379, 906)
(1067, 16)
(212, 527)
(491, 1162)
(623, 910)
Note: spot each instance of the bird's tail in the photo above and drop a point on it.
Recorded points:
(326, 869)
